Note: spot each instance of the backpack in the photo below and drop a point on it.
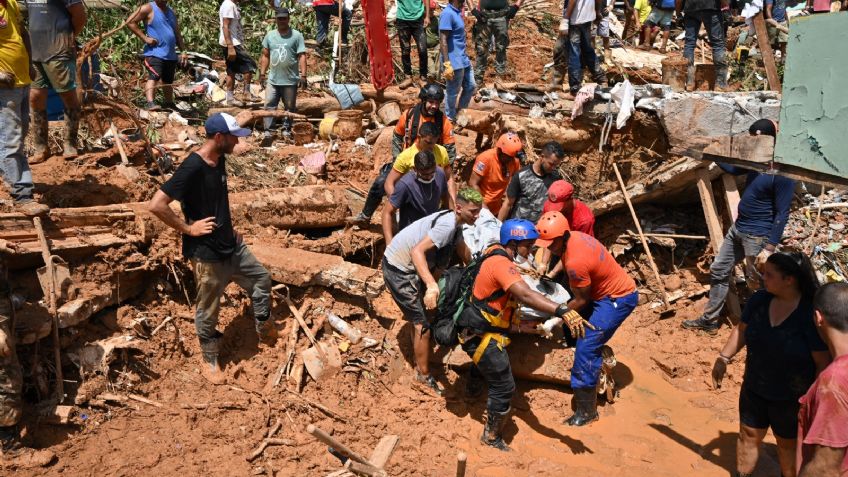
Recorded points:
(413, 120)
(455, 287)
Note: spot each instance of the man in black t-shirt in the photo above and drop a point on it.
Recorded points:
(215, 249)
(528, 189)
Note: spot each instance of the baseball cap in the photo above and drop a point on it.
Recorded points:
(282, 12)
(225, 124)
(559, 192)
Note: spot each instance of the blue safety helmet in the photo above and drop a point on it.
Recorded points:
(518, 229)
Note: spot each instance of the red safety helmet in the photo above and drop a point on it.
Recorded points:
(551, 226)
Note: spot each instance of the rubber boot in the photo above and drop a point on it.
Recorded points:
(265, 330)
(556, 81)
(493, 430)
(72, 119)
(690, 76)
(211, 369)
(14, 454)
(721, 78)
(585, 407)
(38, 124)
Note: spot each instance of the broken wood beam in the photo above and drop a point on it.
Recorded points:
(303, 207)
(536, 130)
(122, 286)
(759, 149)
(766, 52)
(301, 269)
(315, 107)
(249, 117)
(663, 184)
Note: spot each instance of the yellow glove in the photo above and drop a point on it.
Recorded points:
(448, 73)
(576, 324)
(431, 297)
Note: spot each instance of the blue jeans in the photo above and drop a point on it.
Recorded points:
(464, 78)
(14, 125)
(606, 315)
(735, 248)
(711, 19)
(274, 94)
(582, 54)
(322, 18)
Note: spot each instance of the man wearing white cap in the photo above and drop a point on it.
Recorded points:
(216, 251)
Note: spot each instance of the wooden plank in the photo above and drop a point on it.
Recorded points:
(731, 195)
(759, 149)
(383, 452)
(716, 232)
(767, 52)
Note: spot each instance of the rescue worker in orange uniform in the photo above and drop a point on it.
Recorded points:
(491, 313)
(494, 168)
(603, 294)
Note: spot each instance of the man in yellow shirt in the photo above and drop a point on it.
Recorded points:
(15, 78)
(427, 140)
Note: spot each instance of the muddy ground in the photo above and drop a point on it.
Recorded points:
(666, 421)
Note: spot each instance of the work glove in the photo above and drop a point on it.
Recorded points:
(448, 72)
(303, 84)
(761, 259)
(547, 328)
(563, 27)
(5, 345)
(476, 13)
(719, 370)
(513, 9)
(431, 297)
(576, 324)
(7, 79)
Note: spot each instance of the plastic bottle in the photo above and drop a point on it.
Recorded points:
(343, 327)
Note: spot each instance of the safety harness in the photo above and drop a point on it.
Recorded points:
(497, 321)
(411, 130)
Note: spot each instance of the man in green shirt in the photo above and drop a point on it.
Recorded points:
(284, 50)
(413, 18)
(493, 18)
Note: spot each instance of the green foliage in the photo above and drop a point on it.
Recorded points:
(198, 21)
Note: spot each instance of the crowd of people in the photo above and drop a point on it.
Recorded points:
(795, 332)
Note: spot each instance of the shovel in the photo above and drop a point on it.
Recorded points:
(319, 357)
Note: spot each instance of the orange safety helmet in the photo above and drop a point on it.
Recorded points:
(551, 226)
(509, 144)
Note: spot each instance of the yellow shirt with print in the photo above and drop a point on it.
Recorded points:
(13, 55)
(405, 161)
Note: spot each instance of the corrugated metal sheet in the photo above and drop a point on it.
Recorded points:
(814, 108)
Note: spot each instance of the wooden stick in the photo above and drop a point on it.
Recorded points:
(641, 235)
(766, 52)
(51, 302)
(161, 325)
(677, 236)
(461, 459)
(117, 138)
(342, 449)
(136, 397)
(305, 328)
(320, 407)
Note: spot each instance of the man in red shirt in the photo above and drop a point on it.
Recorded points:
(494, 168)
(561, 199)
(823, 418)
(603, 294)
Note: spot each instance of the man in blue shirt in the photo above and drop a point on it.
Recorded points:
(763, 211)
(776, 24)
(457, 65)
(416, 195)
(161, 38)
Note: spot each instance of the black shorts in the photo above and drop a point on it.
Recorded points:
(242, 63)
(761, 413)
(160, 70)
(408, 292)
